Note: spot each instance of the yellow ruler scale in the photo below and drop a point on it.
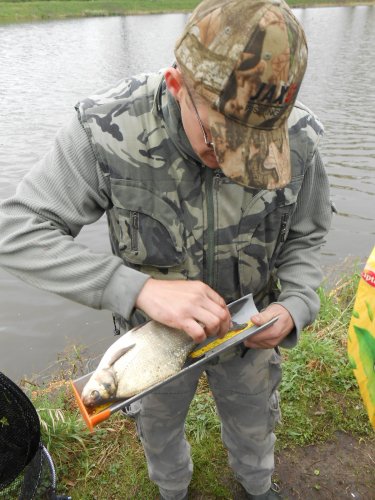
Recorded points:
(200, 352)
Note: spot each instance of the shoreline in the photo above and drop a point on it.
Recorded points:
(35, 11)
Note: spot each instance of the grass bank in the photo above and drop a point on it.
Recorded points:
(319, 398)
(13, 11)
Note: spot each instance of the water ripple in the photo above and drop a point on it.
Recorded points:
(47, 67)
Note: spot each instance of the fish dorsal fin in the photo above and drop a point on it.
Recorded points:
(117, 355)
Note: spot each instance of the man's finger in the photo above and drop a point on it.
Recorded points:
(263, 317)
(195, 330)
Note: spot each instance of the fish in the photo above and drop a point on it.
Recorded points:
(144, 356)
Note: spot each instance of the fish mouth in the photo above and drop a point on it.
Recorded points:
(93, 399)
(92, 403)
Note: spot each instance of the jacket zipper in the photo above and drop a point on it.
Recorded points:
(212, 183)
(283, 226)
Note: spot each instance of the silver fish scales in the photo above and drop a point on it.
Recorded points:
(142, 357)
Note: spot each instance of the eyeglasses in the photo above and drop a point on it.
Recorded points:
(205, 136)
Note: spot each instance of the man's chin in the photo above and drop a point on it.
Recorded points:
(209, 159)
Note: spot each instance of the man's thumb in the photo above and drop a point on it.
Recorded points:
(258, 319)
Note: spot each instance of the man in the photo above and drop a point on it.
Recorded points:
(209, 197)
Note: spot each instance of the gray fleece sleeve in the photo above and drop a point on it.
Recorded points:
(61, 194)
(298, 264)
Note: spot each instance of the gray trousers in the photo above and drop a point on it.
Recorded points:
(244, 389)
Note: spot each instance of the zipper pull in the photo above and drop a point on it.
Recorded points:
(217, 181)
(116, 325)
(134, 218)
(135, 222)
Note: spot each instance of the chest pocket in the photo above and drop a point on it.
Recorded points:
(264, 229)
(147, 227)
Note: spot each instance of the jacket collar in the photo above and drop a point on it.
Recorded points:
(169, 110)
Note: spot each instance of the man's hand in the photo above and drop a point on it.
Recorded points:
(274, 334)
(191, 306)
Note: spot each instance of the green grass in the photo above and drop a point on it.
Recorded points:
(319, 390)
(319, 397)
(13, 11)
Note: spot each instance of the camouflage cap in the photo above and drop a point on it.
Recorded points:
(247, 59)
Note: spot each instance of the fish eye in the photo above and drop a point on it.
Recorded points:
(95, 395)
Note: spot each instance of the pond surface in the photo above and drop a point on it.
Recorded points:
(46, 67)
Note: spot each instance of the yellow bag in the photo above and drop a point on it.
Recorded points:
(361, 342)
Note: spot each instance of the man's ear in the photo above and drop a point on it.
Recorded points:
(174, 82)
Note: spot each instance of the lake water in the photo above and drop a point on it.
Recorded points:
(46, 67)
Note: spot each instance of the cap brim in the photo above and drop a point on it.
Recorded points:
(252, 157)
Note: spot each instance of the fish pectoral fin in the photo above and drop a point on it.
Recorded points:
(117, 355)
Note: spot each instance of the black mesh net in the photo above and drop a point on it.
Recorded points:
(26, 468)
(35, 482)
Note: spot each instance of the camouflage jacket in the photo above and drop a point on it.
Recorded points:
(172, 218)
